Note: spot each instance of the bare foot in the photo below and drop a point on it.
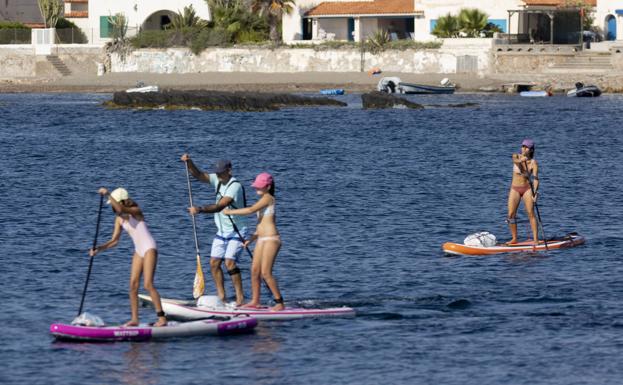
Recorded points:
(162, 321)
(250, 305)
(278, 307)
(130, 323)
(511, 242)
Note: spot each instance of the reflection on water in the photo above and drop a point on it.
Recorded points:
(142, 364)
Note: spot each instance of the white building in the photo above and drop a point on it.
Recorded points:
(609, 17)
(92, 16)
(415, 19)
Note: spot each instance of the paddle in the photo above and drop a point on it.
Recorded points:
(97, 230)
(199, 283)
(536, 206)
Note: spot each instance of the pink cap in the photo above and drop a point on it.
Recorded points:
(263, 180)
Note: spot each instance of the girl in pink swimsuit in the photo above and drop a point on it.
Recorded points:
(129, 217)
(268, 241)
(524, 167)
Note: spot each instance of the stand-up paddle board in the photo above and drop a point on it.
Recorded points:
(237, 325)
(569, 240)
(188, 310)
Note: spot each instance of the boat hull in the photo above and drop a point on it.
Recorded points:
(421, 89)
(186, 310)
(585, 92)
(569, 240)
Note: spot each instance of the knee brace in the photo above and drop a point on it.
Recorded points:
(512, 220)
(234, 271)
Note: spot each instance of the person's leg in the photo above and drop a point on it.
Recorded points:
(513, 202)
(256, 277)
(135, 277)
(232, 254)
(528, 202)
(217, 254)
(269, 253)
(150, 261)
(217, 276)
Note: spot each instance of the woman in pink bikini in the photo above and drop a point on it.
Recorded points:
(130, 218)
(524, 167)
(268, 240)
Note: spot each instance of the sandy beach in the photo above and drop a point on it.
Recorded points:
(356, 82)
(240, 81)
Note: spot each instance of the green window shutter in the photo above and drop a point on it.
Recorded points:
(104, 26)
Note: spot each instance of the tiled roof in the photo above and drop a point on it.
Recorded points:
(557, 2)
(375, 7)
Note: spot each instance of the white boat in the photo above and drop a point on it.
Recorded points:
(535, 94)
(143, 89)
(192, 310)
(393, 85)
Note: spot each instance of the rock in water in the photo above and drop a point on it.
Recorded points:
(376, 100)
(216, 100)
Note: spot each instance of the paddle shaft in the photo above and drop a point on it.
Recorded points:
(190, 197)
(97, 230)
(536, 206)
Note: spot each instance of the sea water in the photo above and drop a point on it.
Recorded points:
(365, 200)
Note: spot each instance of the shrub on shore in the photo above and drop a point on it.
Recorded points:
(13, 32)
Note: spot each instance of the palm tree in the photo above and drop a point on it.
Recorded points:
(472, 21)
(447, 26)
(186, 18)
(274, 10)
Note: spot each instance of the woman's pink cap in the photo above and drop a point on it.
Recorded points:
(263, 180)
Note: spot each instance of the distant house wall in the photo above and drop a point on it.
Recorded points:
(605, 9)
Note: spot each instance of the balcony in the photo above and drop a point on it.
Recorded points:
(77, 14)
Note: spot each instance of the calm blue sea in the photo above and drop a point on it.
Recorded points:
(365, 200)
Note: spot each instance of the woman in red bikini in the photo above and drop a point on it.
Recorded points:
(524, 167)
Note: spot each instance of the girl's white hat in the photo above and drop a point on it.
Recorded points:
(119, 194)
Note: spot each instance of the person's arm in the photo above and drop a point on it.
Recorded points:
(135, 211)
(262, 203)
(213, 208)
(535, 176)
(519, 159)
(200, 175)
(114, 240)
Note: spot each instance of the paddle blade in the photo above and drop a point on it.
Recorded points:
(199, 284)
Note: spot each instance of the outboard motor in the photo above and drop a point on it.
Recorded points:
(391, 87)
(579, 85)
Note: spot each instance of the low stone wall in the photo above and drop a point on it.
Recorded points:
(525, 62)
(465, 56)
(17, 61)
(20, 61)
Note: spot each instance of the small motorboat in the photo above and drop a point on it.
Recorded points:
(582, 91)
(537, 93)
(393, 85)
(445, 87)
(142, 88)
(332, 91)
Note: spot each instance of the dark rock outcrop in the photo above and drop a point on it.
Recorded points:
(377, 100)
(216, 100)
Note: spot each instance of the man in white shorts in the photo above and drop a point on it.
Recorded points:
(227, 243)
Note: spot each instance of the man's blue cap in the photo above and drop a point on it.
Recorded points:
(222, 165)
